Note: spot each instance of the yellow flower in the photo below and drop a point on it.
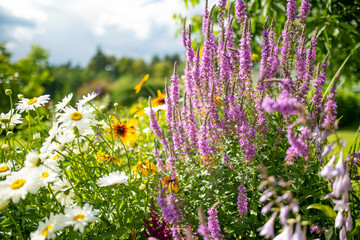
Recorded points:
(126, 132)
(144, 167)
(160, 100)
(107, 158)
(171, 183)
(254, 56)
(138, 87)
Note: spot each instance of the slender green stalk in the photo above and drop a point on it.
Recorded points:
(15, 223)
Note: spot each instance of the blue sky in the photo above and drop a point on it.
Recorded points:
(72, 29)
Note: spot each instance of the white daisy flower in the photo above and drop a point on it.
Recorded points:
(47, 175)
(82, 118)
(26, 104)
(32, 159)
(19, 184)
(47, 229)
(79, 217)
(61, 105)
(5, 168)
(112, 179)
(87, 99)
(64, 192)
(10, 119)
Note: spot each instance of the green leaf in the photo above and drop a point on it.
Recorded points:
(328, 211)
(348, 27)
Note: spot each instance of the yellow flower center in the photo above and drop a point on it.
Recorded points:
(4, 169)
(45, 231)
(18, 183)
(31, 101)
(56, 156)
(76, 116)
(79, 216)
(44, 174)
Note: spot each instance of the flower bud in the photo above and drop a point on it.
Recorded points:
(5, 147)
(9, 134)
(20, 96)
(8, 92)
(102, 109)
(116, 105)
(142, 187)
(4, 205)
(36, 137)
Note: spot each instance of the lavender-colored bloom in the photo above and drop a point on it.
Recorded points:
(286, 233)
(242, 202)
(339, 220)
(284, 211)
(343, 233)
(298, 234)
(291, 10)
(328, 170)
(268, 229)
(171, 212)
(349, 222)
(304, 10)
(284, 105)
(213, 224)
(314, 228)
(240, 13)
(204, 232)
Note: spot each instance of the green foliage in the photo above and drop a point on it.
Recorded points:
(348, 107)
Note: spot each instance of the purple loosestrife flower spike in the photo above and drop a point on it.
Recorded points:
(291, 10)
(329, 118)
(304, 10)
(213, 223)
(242, 202)
(319, 83)
(154, 125)
(240, 12)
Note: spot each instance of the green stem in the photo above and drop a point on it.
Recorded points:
(15, 223)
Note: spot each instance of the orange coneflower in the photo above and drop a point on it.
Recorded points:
(144, 167)
(160, 100)
(171, 183)
(126, 132)
(139, 86)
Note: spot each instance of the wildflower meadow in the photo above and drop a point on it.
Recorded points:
(218, 153)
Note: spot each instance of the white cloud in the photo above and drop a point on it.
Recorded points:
(71, 29)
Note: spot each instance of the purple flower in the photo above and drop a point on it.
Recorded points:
(240, 13)
(268, 229)
(304, 10)
(213, 223)
(242, 202)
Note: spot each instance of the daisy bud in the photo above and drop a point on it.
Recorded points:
(8, 92)
(32, 160)
(5, 147)
(36, 137)
(102, 109)
(116, 105)
(20, 96)
(142, 187)
(9, 134)
(4, 204)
